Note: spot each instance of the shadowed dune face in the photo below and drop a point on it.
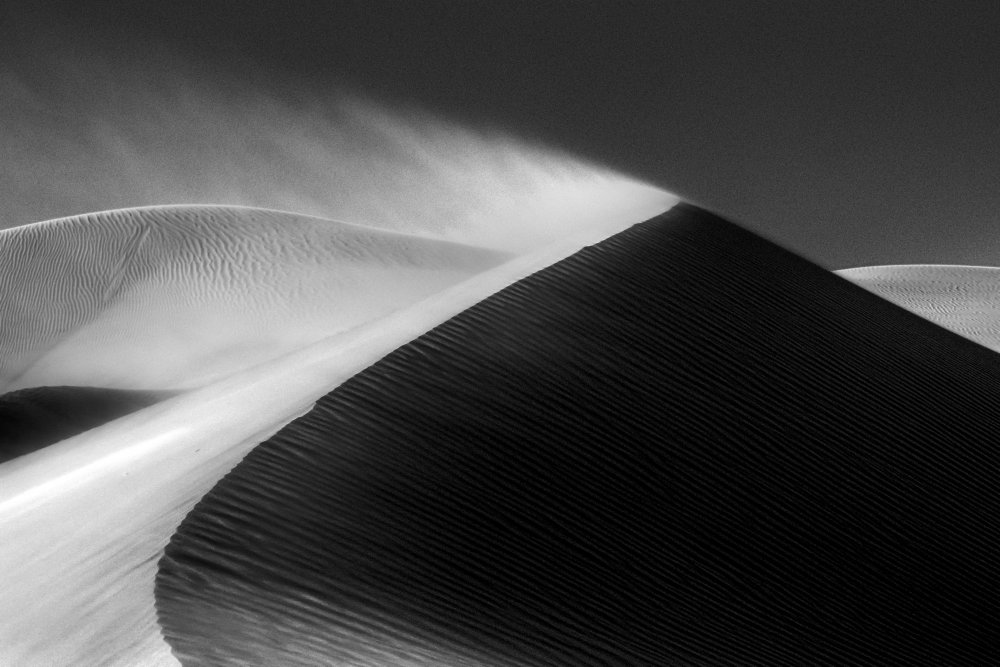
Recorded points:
(681, 446)
(34, 418)
(173, 297)
(965, 299)
(115, 494)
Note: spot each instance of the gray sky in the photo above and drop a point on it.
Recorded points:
(853, 132)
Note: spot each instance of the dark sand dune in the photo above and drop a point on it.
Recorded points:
(40, 416)
(684, 445)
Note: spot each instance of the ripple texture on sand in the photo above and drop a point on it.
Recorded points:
(177, 296)
(965, 299)
(684, 445)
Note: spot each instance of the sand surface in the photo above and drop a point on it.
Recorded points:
(684, 445)
(85, 520)
(40, 416)
(175, 297)
(965, 299)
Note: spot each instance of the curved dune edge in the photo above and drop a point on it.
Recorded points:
(684, 445)
(963, 299)
(31, 419)
(174, 297)
(81, 590)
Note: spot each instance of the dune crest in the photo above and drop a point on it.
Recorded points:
(115, 494)
(964, 299)
(177, 296)
(684, 445)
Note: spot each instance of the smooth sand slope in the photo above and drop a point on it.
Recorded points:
(177, 296)
(684, 445)
(34, 418)
(965, 299)
(84, 522)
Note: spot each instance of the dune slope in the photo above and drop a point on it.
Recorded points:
(684, 445)
(34, 418)
(177, 296)
(85, 521)
(965, 299)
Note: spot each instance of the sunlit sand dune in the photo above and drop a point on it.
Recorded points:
(681, 446)
(175, 297)
(85, 521)
(965, 299)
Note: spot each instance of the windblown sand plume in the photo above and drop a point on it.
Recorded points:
(371, 334)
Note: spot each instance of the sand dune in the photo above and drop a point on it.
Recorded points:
(34, 418)
(86, 520)
(965, 299)
(175, 297)
(684, 445)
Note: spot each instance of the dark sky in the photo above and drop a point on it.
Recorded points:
(853, 132)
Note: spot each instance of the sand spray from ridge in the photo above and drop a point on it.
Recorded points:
(107, 135)
(87, 134)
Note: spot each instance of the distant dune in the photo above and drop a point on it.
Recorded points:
(174, 297)
(34, 418)
(965, 299)
(683, 445)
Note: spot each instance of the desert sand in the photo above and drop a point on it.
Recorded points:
(965, 299)
(40, 416)
(174, 297)
(681, 444)
(85, 520)
(684, 445)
